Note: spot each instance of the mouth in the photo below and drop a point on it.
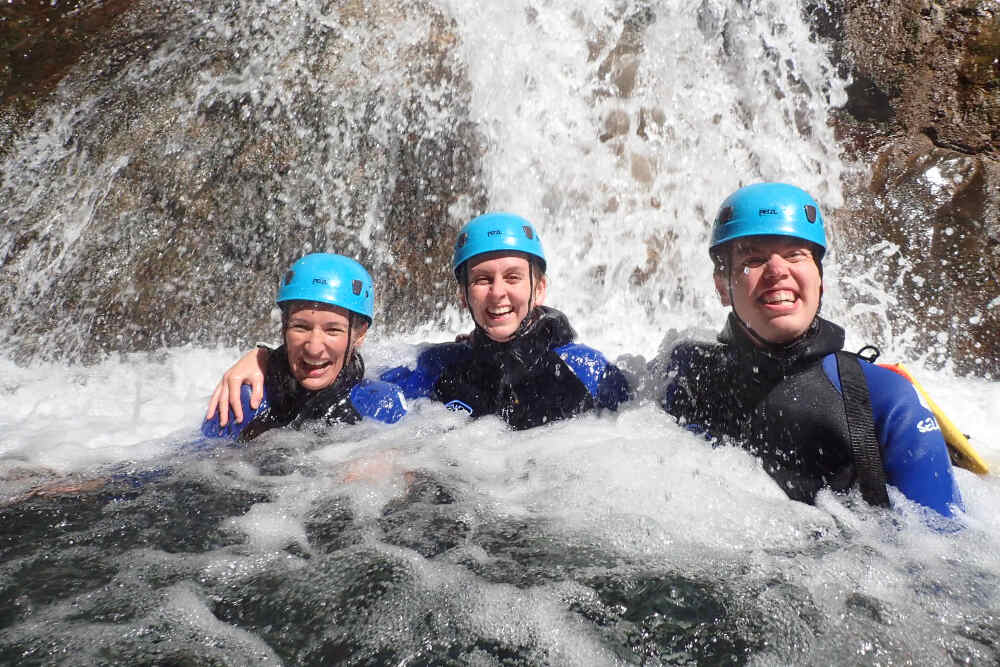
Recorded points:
(497, 313)
(778, 298)
(313, 369)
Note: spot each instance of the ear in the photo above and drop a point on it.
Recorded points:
(359, 337)
(540, 287)
(461, 297)
(722, 287)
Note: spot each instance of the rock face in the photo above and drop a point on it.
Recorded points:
(923, 206)
(187, 163)
(198, 160)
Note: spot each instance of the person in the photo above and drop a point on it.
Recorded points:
(777, 382)
(326, 303)
(520, 362)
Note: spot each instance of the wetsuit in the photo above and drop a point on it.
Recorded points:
(785, 406)
(286, 403)
(538, 377)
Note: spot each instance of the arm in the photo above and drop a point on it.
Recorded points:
(248, 370)
(419, 382)
(213, 427)
(913, 450)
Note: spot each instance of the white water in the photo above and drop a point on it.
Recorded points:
(632, 487)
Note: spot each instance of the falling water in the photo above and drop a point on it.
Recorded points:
(154, 204)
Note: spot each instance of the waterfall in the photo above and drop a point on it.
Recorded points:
(173, 176)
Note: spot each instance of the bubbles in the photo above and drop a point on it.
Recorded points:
(617, 128)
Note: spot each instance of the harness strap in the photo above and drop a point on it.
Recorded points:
(861, 428)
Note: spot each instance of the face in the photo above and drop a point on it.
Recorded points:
(776, 286)
(316, 342)
(499, 293)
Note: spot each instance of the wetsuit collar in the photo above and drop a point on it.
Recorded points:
(820, 339)
(544, 325)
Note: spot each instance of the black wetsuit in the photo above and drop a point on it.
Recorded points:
(785, 405)
(778, 404)
(538, 377)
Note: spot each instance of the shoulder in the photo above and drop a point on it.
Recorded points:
(602, 379)
(378, 400)
(884, 386)
(688, 359)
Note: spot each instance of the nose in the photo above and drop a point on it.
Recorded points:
(775, 267)
(314, 341)
(497, 289)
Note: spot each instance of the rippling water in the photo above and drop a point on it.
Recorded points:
(617, 538)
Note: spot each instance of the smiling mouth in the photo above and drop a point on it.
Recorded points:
(314, 368)
(778, 297)
(500, 312)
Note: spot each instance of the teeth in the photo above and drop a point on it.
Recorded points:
(502, 311)
(778, 297)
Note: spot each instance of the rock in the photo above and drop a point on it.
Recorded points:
(927, 226)
(197, 162)
(922, 123)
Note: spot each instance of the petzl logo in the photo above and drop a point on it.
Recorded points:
(319, 281)
(928, 425)
(494, 232)
(767, 211)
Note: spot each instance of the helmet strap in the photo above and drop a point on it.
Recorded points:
(754, 336)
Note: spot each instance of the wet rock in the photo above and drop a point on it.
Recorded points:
(196, 162)
(928, 225)
(922, 123)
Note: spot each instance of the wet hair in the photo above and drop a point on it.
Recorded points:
(354, 320)
(722, 256)
(537, 269)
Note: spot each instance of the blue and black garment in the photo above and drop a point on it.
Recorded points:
(287, 404)
(785, 406)
(538, 377)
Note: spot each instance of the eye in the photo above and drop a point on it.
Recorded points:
(797, 255)
(754, 261)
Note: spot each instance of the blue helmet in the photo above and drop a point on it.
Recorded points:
(769, 209)
(494, 232)
(328, 278)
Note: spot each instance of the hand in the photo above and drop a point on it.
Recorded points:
(249, 370)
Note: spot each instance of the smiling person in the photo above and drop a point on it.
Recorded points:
(520, 362)
(317, 374)
(778, 384)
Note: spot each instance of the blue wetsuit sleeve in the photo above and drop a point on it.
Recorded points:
(605, 382)
(210, 427)
(419, 382)
(914, 452)
(378, 400)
